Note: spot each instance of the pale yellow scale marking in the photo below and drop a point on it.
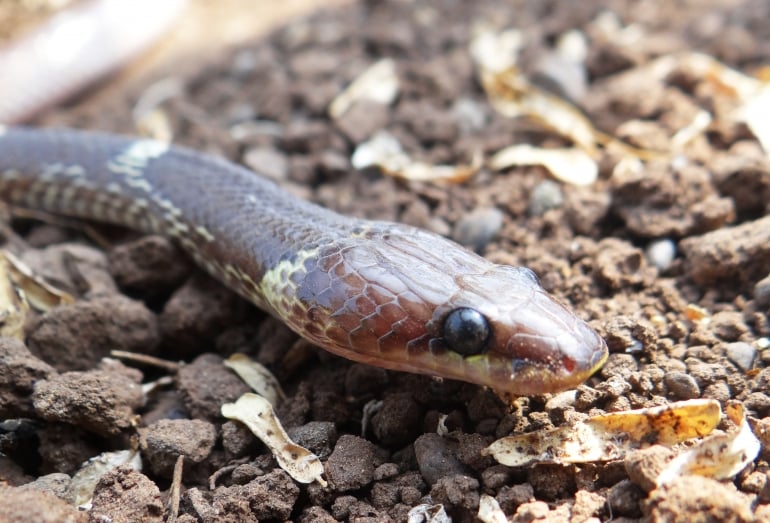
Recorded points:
(204, 233)
(44, 191)
(131, 164)
(52, 170)
(136, 157)
(276, 281)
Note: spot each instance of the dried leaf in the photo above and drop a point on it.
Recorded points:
(700, 123)
(379, 83)
(720, 456)
(384, 152)
(425, 513)
(37, 291)
(754, 113)
(609, 436)
(572, 165)
(13, 306)
(696, 313)
(513, 95)
(496, 52)
(751, 94)
(490, 511)
(81, 489)
(257, 414)
(256, 376)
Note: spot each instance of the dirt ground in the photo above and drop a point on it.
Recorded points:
(671, 264)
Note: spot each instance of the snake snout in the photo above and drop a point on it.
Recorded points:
(551, 347)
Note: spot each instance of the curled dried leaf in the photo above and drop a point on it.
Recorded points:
(13, 305)
(720, 456)
(37, 291)
(385, 152)
(609, 436)
(257, 414)
(572, 165)
(256, 376)
(512, 94)
(379, 83)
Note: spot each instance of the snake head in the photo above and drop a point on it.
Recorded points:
(534, 343)
(408, 300)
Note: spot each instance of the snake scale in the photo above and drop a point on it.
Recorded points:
(376, 292)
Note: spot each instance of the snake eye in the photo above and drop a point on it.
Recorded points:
(466, 331)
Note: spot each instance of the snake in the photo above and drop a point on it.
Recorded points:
(75, 47)
(375, 292)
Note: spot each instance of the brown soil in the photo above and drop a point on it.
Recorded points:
(263, 104)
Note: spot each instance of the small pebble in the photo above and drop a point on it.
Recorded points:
(545, 196)
(437, 458)
(56, 483)
(456, 491)
(268, 162)
(661, 253)
(624, 499)
(352, 464)
(762, 292)
(469, 114)
(742, 354)
(244, 63)
(510, 498)
(681, 385)
(477, 228)
(165, 440)
(317, 436)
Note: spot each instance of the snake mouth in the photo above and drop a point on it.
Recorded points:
(564, 363)
(541, 365)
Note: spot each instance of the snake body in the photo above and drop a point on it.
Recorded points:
(381, 293)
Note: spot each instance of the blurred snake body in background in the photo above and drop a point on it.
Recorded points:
(381, 293)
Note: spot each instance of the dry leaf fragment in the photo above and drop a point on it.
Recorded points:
(257, 414)
(754, 113)
(256, 376)
(512, 95)
(609, 436)
(700, 123)
(572, 165)
(496, 52)
(81, 489)
(752, 94)
(696, 313)
(20, 288)
(490, 511)
(425, 513)
(379, 83)
(37, 291)
(720, 456)
(13, 306)
(384, 151)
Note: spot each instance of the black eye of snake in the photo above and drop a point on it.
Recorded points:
(466, 331)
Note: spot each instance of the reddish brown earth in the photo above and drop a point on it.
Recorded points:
(263, 104)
